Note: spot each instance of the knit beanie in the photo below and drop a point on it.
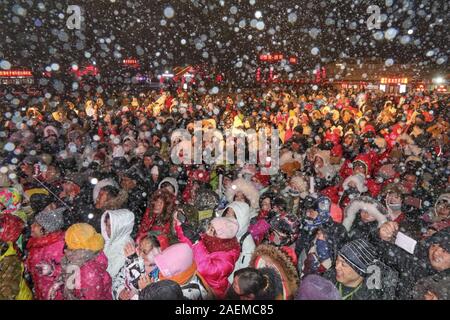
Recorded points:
(84, 236)
(52, 220)
(441, 238)
(226, 228)
(359, 254)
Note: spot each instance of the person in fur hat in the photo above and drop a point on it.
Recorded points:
(295, 192)
(109, 198)
(325, 172)
(363, 216)
(243, 190)
(216, 253)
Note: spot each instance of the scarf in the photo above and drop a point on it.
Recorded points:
(183, 277)
(214, 244)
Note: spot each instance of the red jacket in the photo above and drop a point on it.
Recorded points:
(49, 250)
(95, 281)
(214, 267)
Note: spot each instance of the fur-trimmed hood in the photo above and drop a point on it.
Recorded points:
(100, 185)
(172, 181)
(283, 264)
(246, 187)
(359, 180)
(117, 202)
(373, 207)
(411, 149)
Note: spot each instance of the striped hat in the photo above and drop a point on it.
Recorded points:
(359, 254)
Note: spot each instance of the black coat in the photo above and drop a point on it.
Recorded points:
(363, 293)
(410, 267)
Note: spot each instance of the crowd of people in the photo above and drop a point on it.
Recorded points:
(93, 207)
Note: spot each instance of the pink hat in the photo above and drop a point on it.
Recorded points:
(175, 259)
(226, 228)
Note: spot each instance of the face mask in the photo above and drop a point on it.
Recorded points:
(395, 207)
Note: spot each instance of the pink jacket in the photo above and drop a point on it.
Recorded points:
(95, 281)
(214, 267)
(47, 250)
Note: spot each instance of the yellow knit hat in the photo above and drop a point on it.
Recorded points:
(84, 236)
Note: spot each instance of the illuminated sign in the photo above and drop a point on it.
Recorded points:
(271, 57)
(15, 73)
(394, 80)
(130, 61)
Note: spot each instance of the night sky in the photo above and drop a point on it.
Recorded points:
(164, 34)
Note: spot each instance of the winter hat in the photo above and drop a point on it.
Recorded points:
(162, 290)
(50, 130)
(11, 228)
(364, 159)
(445, 197)
(51, 221)
(39, 201)
(441, 238)
(83, 236)
(247, 188)
(315, 287)
(359, 254)
(226, 228)
(10, 198)
(171, 181)
(359, 181)
(175, 259)
(286, 228)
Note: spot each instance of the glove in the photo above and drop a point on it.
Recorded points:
(45, 269)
